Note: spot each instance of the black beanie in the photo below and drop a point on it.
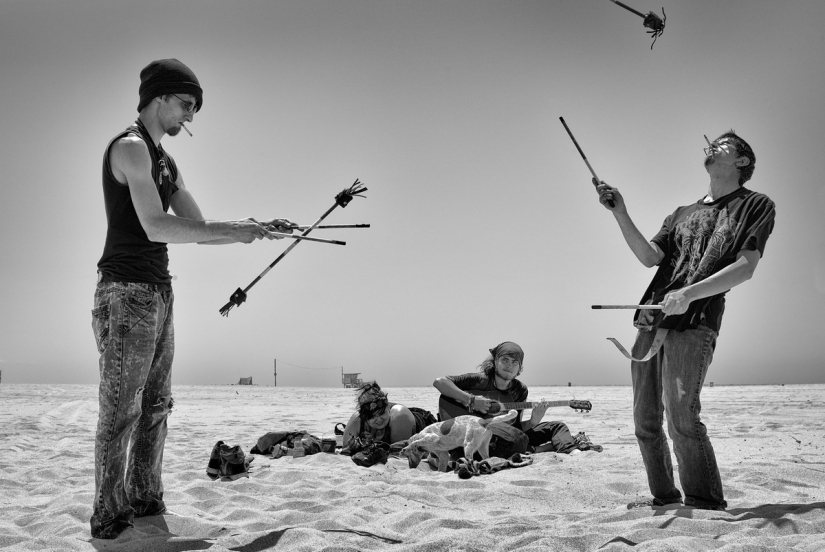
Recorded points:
(168, 76)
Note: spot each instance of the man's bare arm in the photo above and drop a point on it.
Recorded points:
(132, 165)
(677, 302)
(648, 253)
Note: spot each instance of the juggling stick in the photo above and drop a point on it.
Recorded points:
(652, 21)
(634, 307)
(661, 333)
(325, 226)
(342, 199)
(586, 162)
(294, 237)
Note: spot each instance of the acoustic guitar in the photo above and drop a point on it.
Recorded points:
(449, 408)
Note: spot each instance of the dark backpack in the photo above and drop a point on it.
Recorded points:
(288, 439)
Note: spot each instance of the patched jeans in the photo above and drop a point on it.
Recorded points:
(670, 383)
(134, 330)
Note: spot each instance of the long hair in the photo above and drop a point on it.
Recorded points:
(488, 367)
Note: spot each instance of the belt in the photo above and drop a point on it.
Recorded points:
(103, 278)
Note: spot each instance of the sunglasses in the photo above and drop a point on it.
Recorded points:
(187, 106)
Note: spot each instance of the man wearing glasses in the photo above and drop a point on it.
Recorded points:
(702, 251)
(132, 317)
(476, 392)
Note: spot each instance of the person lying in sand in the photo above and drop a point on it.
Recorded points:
(474, 393)
(377, 419)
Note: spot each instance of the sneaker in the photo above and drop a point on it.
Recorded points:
(654, 503)
(372, 455)
(583, 442)
(233, 463)
(357, 444)
(213, 469)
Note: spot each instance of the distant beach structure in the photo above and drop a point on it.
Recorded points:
(351, 380)
(245, 381)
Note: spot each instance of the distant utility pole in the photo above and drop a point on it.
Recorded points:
(275, 373)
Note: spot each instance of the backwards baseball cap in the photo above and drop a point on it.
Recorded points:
(168, 76)
(508, 348)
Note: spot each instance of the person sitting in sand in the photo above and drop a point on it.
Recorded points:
(379, 420)
(474, 393)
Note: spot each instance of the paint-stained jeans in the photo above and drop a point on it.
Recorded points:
(670, 383)
(134, 330)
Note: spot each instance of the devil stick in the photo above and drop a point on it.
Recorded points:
(323, 226)
(342, 199)
(294, 237)
(634, 307)
(586, 162)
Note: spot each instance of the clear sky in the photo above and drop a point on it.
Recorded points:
(485, 226)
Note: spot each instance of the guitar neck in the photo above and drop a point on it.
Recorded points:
(451, 408)
(526, 405)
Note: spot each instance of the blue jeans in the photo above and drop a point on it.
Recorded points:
(135, 337)
(671, 382)
(555, 436)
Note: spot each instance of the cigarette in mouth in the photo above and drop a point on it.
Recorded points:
(705, 135)
(190, 134)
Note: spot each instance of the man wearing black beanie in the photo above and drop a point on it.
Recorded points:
(168, 76)
(132, 317)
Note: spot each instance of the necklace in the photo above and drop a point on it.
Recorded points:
(164, 169)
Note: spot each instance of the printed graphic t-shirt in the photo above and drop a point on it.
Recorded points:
(701, 239)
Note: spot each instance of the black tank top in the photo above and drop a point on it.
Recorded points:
(128, 255)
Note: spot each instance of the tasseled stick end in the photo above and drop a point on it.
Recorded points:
(656, 25)
(654, 22)
(345, 196)
(237, 298)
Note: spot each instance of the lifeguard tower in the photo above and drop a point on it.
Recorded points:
(351, 380)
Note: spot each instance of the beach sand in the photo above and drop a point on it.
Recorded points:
(768, 440)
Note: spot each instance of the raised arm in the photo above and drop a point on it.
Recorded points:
(648, 253)
(132, 165)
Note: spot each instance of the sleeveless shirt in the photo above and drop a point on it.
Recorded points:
(128, 254)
